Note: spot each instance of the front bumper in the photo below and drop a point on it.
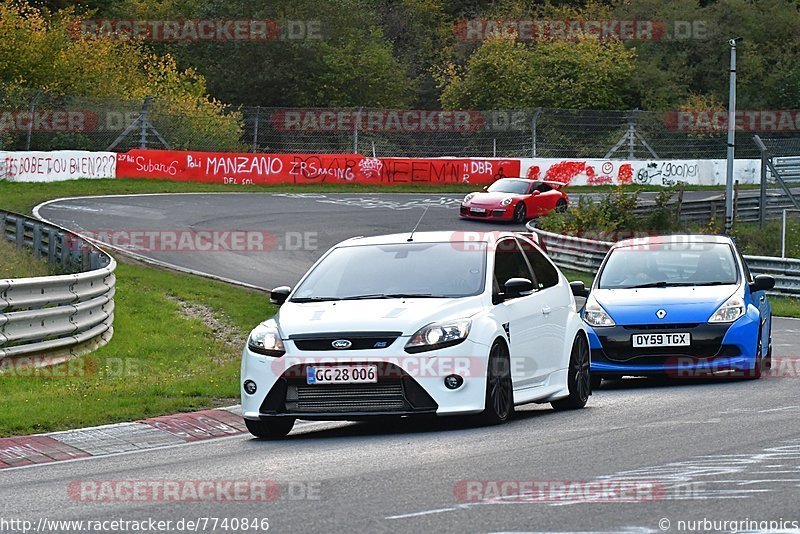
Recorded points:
(496, 214)
(408, 384)
(714, 348)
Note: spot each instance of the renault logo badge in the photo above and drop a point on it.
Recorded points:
(342, 344)
(661, 314)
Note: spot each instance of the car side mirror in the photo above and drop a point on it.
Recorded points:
(579, 288)
(536, 192)
(517, 287)
(279, 295)
(762, 282)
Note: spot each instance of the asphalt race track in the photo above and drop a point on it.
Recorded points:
(722, 450)
(298, 227)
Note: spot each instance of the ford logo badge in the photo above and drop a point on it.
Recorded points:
(342, 344)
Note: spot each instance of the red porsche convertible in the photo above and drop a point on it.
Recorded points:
(514, 199)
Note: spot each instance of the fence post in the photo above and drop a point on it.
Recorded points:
(355, 131)
(255, 129)
(534, 120)
(762, 197)
(143, 122)
(31, 111)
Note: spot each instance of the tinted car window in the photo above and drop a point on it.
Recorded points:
(669, 264)
(449, 269)
(509, 263)
(546, 275)
(506, 185)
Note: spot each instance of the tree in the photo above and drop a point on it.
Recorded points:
(502, 73)
(44, 52)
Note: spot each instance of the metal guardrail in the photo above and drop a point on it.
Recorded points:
(747, 208)
(48, 319)
(586, 255)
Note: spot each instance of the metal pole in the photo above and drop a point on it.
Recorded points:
(255, 129)
(534, 119)
(355, 131)
(494, 147)
(762, 199)
(783, 235)
(731, 138)
(31, 111)
(631, 135)
(143, 122)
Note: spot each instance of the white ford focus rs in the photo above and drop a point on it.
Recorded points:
(440, 323)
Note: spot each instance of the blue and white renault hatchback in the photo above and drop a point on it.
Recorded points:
(439, 323)
(683, 306)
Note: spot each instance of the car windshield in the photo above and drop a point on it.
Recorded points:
(673, 264)
(505, 185)
(446, 270)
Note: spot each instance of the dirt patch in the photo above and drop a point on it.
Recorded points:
(221, 329)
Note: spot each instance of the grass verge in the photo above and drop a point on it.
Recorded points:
(162, 359)
(19, 263)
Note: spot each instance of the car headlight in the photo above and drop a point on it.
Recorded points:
(506, 201)
(731, 309)
(439, 335)
(265, 339)
(468, 197)
(595, 315)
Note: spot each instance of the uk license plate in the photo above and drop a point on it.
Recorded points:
(679, 339)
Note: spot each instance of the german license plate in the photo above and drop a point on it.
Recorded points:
(477, 210)
(342, 374)
(681, 339)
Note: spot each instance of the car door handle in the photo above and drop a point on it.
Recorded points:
(546, 310)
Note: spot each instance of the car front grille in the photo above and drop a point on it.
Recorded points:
(706, 342)
(368, 397)
(395, 392)
(359, 340)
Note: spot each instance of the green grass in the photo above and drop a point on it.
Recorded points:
(785, 306)
(159, 360)
(20, 263)
(574, 276)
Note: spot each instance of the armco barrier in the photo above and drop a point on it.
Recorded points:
(48, 319)
(586, 255)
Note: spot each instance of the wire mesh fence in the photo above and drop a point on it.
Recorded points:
(39, 121)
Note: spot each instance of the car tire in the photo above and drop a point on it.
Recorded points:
(768, 360)
(561, 205)
(271, 428)
(758, 365)
(520, 213)
(578, 377)
(499, 404)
